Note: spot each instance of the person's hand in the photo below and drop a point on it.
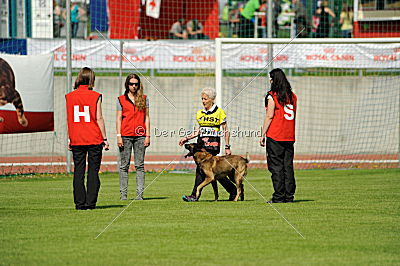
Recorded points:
(69, 146)
(182, 141)
(147, 141)
(120, 143)
(106, 145)
(228, 151)
(262, 141)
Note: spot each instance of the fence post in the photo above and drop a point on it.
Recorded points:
(69, 72)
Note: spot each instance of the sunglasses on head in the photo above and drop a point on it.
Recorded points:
(133, 83)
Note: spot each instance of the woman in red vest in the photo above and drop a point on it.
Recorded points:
(133, 132)
(279, 127)
(87, 137)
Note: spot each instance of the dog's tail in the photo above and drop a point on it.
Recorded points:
(247, 159)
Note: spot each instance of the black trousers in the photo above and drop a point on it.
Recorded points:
(229, 186)
(86, 197)
(280, 156)
(246, 28)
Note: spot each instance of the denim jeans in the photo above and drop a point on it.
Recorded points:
(74, 29)
(137, 144)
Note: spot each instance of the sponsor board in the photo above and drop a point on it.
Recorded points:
(201, 54)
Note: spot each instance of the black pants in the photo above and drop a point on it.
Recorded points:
(246, 28)
(86, 197)
(225, 182)
(280, 156)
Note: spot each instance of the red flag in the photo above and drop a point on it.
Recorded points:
(153, 8)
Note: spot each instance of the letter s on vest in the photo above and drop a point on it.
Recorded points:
(289, 113)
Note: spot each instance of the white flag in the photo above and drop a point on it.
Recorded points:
(153, 8)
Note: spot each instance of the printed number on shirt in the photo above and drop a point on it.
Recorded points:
(208, 132)
(289, 113)
(78, 114)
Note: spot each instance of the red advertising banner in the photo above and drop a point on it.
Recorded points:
(26, 93)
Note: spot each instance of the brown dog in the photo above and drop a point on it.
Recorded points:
(8, 93)
(215, 167)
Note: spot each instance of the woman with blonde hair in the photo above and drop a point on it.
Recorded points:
(133, 132)
(211, 119)
(346, 21)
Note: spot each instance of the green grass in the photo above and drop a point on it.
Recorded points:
(347, 217)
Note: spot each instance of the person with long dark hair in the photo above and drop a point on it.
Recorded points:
(87, 137)
(325, 15)
(133, 132)
(278, 135)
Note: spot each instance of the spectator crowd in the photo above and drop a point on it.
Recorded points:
(239, 18)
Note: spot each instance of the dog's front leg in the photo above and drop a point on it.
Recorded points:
(215, 187)
(208, 178)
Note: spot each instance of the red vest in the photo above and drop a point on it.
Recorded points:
(133, 119)
(81, 117)
(282, 127)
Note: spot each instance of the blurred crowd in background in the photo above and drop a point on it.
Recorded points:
(247, 19)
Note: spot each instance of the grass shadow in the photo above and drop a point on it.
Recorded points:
(110, 206)
(151, 198)
(155, 198)
(305, 200)
(224, 200)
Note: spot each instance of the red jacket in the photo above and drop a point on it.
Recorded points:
(81, 117)
(282, 127)
(133, 119)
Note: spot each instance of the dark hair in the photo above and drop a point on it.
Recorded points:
(140, 100)
(86, 76)
(281, 86)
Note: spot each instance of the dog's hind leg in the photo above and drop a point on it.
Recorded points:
(215, 188)
(239, 176)
(242, 193)
(241, 185)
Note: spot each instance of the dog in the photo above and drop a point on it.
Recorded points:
(215, 167)
(8, 93)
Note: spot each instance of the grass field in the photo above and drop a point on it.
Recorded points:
(347, 217)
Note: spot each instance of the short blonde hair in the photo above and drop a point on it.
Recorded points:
(210, 92)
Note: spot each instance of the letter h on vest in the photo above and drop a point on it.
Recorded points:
(78, 114)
